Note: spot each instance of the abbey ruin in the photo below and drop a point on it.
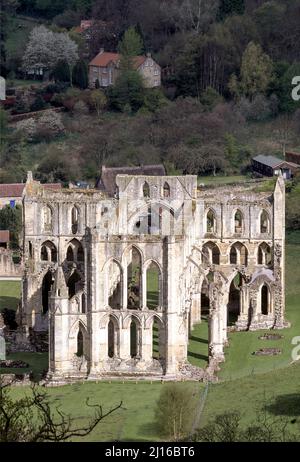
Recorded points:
(105, 274)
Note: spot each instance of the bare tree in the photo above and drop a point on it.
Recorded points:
(31, 418)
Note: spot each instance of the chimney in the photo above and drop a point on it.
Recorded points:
(101, 51)
(149, 54)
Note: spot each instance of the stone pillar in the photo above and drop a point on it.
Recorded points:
(147, 344)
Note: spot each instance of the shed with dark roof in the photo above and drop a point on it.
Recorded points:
(271, 165)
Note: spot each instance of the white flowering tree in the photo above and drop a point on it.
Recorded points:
(46, 48)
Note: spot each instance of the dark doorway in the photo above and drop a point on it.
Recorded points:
(46, 287)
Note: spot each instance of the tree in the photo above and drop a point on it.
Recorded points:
(256, 73)
(230, 7)
(80, 75)
(11, 219)
(46, 48)
(130, 46)
(40, 52)
(128, 92)
(190, 15)
(99, 101)
(31, 418)
(174, 411)
(61, 72)
(227, 428)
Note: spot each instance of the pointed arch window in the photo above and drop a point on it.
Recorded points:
(211, 222)
(146, 190)
(264, 222)
(47, 218)
(74, 219)
(238, 222)
(166, 190)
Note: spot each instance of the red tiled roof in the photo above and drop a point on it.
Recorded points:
(104, 58)
(11, 190)
(4, 236)
(16, 189)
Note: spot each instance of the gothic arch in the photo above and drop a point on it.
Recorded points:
(210, 221)
(264, 254)
(47, 218)
(48, 252)
(238, 254)
(75, 250)
(264, 222)
(74, 219)
(238, 222)
(211, 253)
(75, 328)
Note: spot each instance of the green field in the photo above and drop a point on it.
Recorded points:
(247, 382)
(10, 292)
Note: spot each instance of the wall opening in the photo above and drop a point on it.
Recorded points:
(166, 191)
(265, 300)
(234, 300)
(134, 340)
(74, 220)
(238, 222)
(80, 343)
(264, 222)
(146, 190)
(111, 339)
(46, 288)
(210, 222)
(153, 286)
(73, 284)
(114, 285)
(134, 281)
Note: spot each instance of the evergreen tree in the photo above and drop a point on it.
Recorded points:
(11, 218)
(61, 72)
(80, 75)
(130, 46)
(231, 7)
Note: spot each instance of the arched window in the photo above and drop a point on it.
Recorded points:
(265, 300)
(80, 253)
(44, 253)
(70, 254)
(114, 285)
(79, 343)
(238, 222)
(48, 252)
(233, 256)
(146, 189)
(47, 218)
(211, 222)
(158, 339)
(264, 255)
(153, 286)
(167, 191)
(73, 285)
(134, 279)
(264, 222)
(83, 304)
(46, 288)
(111, 339)
(211, 253)
(74, 220)
(134, 338)
(238, 254)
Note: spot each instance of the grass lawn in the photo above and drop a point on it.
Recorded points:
(198, 344)
(37, 363)
(10, 292)
(278, 391)
(220, 180)
(134, 422)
